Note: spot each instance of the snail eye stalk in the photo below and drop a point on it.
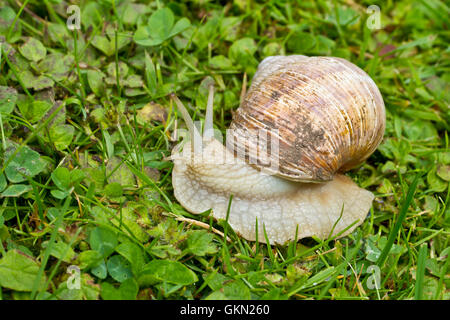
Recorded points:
(208, 130)
(196, 138)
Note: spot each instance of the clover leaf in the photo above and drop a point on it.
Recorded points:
(25, 162)
(65, 181)
(107, 43)
(8, 98)
(33, 50)
(161, 26)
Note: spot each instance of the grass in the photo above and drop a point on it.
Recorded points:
(87, 209)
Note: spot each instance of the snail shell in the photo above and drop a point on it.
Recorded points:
(327, 115)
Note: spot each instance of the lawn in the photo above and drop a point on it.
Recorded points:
(87, 207)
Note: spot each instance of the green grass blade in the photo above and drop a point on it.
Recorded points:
(420, 272)
(51, 242)
(398, 224)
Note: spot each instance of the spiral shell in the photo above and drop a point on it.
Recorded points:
(326, 114)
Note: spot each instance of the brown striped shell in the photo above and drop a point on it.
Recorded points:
(326, 114)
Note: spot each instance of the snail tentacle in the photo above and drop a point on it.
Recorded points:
(208, 131)
(196, 137)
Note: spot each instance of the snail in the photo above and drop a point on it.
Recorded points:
(303, 122)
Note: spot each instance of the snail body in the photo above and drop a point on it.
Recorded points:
(326, 116)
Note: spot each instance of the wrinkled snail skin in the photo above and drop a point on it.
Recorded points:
(204, 182)
(284, 204)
